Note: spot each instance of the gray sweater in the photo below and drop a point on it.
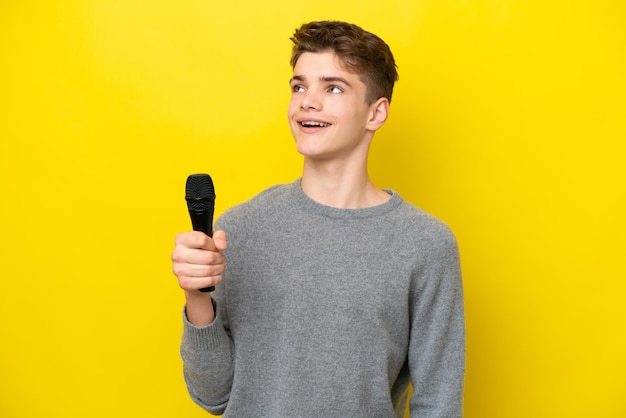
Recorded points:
(327, 312)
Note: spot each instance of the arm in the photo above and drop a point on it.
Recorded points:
(437, 342)
(207, 364)
(206, 347)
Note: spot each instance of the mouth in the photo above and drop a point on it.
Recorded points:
(313, 124)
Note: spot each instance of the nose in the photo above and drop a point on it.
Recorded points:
(310, 101)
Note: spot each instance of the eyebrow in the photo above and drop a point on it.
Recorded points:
(330, 79)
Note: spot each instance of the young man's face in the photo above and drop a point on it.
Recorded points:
(328, 114)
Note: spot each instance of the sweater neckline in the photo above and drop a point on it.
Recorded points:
(311, 206)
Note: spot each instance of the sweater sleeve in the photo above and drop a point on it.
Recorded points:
(437, 339)
(207, 363)
(208, 352)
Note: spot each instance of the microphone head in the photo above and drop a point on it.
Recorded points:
(199, 192)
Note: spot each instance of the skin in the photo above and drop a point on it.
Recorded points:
(335, 154)
(333, 126)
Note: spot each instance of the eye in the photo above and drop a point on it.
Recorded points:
(297, 88)
(335, 89)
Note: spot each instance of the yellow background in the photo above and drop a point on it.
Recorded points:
(508, 123)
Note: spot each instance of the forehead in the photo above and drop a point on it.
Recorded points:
(320, 63)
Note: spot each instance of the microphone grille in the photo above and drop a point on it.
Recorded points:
(199, 191)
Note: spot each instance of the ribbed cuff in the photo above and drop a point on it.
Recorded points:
(207, 337)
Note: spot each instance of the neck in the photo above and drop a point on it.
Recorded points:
(340, 185)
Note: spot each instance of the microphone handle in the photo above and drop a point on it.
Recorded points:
(201, 221)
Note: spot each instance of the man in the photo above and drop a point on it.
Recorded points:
(336, 295)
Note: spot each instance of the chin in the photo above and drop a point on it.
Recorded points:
(307, 152)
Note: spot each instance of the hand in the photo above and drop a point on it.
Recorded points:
(197, 260)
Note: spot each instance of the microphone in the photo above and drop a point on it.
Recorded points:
(200, 197)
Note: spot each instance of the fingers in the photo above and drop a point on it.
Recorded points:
(194, 280)
(197, 261)
(219, 240)
(197, 239)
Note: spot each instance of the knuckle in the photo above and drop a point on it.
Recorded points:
(184, 282)
(177, 270)
(203, 240)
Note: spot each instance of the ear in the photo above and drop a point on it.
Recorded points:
(379, 111)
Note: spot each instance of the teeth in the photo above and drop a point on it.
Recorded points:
(314, 123)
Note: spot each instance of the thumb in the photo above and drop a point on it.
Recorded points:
(219, 239)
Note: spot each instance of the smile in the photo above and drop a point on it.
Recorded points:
(313, 123)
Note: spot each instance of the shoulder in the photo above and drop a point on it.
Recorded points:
(432, 247)
(423, 228)
(417, 219)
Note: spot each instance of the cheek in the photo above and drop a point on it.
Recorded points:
(291, 111)
(293, 107)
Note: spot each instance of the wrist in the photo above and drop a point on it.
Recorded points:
(200, 308)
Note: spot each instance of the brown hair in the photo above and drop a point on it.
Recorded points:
(359, 51)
